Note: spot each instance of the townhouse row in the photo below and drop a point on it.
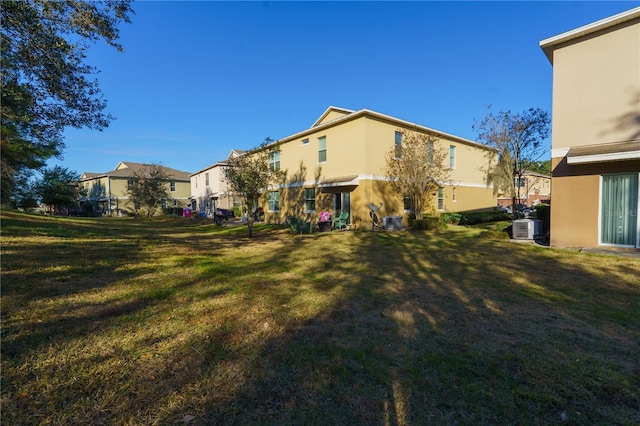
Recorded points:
(338, 165)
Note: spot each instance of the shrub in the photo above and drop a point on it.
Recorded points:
(543, 212)
(450, 218)
(473, 218)
(429, 223)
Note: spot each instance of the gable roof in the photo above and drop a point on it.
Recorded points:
(550, 44)
(127, 169)
(349, 115)
(339, 112)
(233, 154)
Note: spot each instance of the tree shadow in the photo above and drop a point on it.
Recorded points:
(403, 328)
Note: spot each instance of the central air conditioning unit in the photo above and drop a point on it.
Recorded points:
(526, 229)
(392, 223)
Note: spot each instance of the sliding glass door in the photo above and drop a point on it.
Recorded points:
(619, 210)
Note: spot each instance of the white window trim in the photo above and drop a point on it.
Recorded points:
(600, 243)
(455, 160)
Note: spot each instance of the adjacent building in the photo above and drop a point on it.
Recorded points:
(535, 188)
(596, 133)
(338, 165)
(209, 190)
(107, 192)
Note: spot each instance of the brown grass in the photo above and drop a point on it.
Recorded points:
(176, 321)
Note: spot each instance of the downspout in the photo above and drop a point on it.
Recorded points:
(109, 197)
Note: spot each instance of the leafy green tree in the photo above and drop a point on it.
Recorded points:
(417, 169)
(45, 83)
(519, 139)
(149, 188)
(248, 175)
(543, 167)
(58, 188)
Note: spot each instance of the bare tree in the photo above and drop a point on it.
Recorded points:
(149, 187)
(418, 168)
(519, 139)
(250, 174)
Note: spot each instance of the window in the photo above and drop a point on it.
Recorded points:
(305, 141)
(619, 206)
(309, 199)
(452, 157)
(274, 197)
(206, 179)
(274, 160)
(172, 186)
(453, 195)
(440, 198)
(397, 149)
(520, 182)
(322, 149)
(237, 201)
(408, 204)
(129, 184)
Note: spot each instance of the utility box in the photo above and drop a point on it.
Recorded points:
(526, 229)
(392, 223)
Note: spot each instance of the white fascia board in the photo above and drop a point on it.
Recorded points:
(599, 158)
(550, 42)
(559, 152)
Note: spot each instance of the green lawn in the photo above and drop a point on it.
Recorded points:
(177, 321)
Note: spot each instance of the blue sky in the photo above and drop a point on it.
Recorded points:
(198, 79)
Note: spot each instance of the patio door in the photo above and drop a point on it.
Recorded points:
(619, 210)
(342, 202)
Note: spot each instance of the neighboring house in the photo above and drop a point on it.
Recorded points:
(209, 190)
(596, 133)
(338, 165)
(107, 192)
(535, 188)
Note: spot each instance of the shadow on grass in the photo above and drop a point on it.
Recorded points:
(340, 328)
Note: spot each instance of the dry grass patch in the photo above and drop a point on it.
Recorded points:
(131, 322)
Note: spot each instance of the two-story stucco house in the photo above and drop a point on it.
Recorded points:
(595, 156)
(107, 192)
(338, 165)
(209, 190)
(535, 188)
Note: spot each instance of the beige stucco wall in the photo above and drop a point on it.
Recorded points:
(356, 148)
(596, 88)
(596, 100)
(217, 187)
(575, 213)
(115, 189)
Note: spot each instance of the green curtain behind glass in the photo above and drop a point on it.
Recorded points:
(619, 209)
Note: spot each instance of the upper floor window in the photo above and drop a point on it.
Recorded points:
(452, 157)
(206, 179)
(129, 184)
(440, 198)
(309, 199)
(305, 141)
(274, 199)
(274, 160)
(520, 182)
(172, 186)
(322, 149)
(397, 149)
